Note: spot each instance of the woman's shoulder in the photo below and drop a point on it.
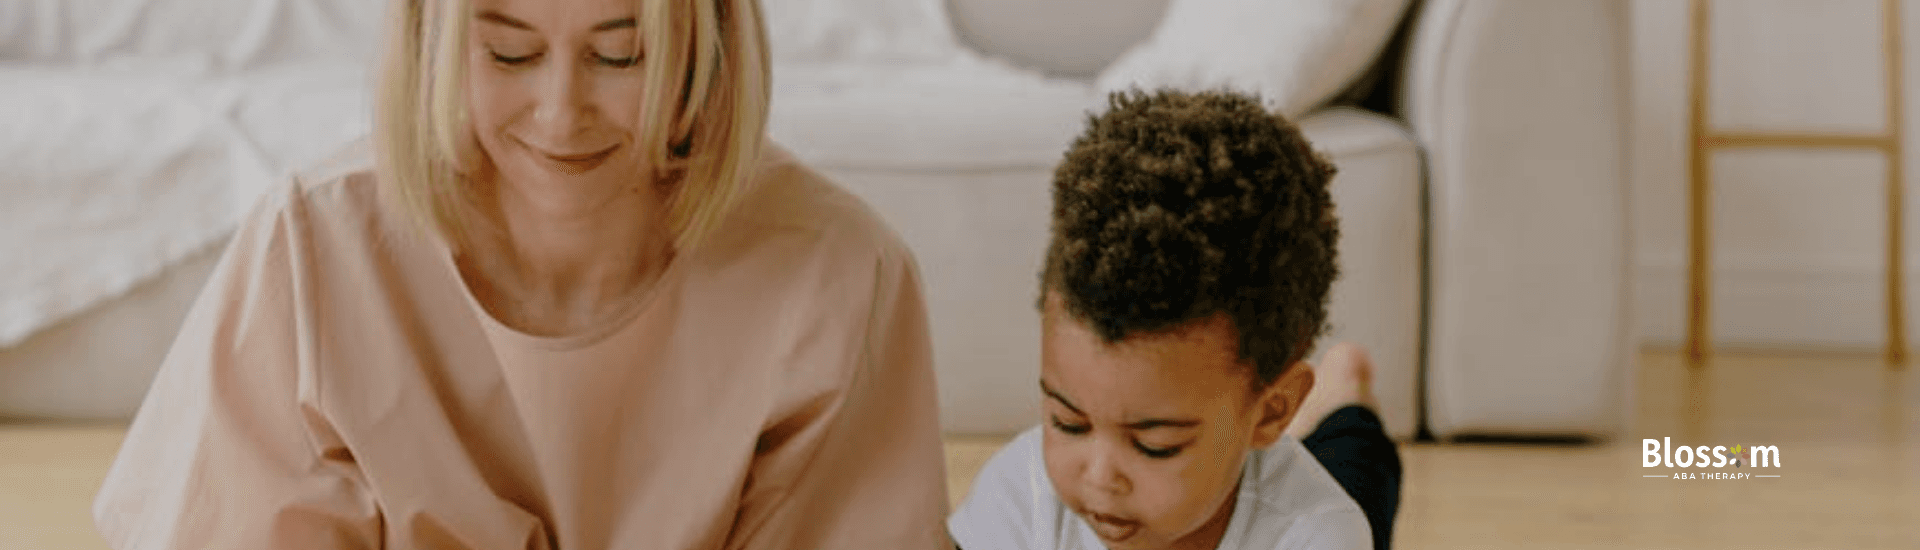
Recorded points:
(328, 222)
(337, 201)
(790, 209)
(342, 184)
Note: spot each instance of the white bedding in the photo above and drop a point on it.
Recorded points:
(229, 35)
(113, 172)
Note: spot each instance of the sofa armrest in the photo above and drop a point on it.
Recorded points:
(1520, 105)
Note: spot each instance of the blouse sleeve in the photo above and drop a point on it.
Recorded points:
(227, 451)
(859, 465)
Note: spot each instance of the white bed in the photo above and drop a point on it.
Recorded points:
(133, 135)
(122, 184)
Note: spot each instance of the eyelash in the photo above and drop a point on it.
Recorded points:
(1069, 429)
(1150, 452)
(613, 62)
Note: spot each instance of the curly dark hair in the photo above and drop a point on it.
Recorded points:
(1173, 207)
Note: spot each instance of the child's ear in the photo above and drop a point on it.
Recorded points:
(1280, 402)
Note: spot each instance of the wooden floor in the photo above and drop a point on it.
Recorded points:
(1848, 430)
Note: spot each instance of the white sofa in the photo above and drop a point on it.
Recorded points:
(1483, 218)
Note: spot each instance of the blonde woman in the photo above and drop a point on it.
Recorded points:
(565, 298)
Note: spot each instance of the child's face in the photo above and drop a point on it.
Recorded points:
(1146, 437)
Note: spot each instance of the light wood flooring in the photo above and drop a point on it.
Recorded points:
(1848, 430)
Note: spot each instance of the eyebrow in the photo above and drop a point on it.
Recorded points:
(1137, 425)
(498, 18)
(1044, 388)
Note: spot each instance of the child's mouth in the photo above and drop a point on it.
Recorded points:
(1111, 529)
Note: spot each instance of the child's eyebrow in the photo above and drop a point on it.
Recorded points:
(1138, 425)
(1062, 399)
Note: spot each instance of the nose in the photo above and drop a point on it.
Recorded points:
(1103, 473)
(563, 108)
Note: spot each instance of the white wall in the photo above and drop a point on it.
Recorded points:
(1798, 235)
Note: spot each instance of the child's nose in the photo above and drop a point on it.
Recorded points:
(1103, 472)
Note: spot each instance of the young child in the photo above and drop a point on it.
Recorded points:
(1186, 279)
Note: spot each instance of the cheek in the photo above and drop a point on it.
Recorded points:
(1060, 460)
(1181, 499)
(619, 99)
(492, 97)
(621, 91)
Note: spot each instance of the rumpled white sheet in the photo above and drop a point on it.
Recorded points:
(225, 34)
(135, 132)
(109, 174)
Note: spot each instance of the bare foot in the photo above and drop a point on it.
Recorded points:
(1343, 377)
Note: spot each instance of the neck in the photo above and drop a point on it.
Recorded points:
(1209, 535)
(554, 262)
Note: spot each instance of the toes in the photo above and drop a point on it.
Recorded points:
(1348, 359)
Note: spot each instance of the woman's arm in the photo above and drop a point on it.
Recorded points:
(859, 465)
(226, 451)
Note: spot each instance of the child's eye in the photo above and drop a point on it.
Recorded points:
(1069, 429)
(1157, 452)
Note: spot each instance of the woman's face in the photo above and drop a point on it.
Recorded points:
(555, 91)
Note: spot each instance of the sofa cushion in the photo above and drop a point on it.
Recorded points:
(1296, 54)
(1069, 38)
(1379, 195)
(815, 31)
(969, 113)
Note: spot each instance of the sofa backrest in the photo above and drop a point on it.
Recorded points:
(1078, 38)
(1073, 38)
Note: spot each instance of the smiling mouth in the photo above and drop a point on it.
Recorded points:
(1110, 528)
(575, 164)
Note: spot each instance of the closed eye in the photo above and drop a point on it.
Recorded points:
(617, 62)
(1069, 429)
(1157, 452)
(513, 60)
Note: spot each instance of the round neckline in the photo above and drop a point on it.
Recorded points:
(632, 311)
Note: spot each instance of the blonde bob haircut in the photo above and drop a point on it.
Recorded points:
(702, 137)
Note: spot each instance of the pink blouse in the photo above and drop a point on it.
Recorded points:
(336, 386)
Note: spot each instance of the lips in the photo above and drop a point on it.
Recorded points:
(1110, 528)
(572, 163)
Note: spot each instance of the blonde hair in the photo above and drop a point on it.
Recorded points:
(704, 137)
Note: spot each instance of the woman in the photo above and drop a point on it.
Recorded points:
(566, 299)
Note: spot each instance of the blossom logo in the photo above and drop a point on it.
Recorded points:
(1656, 453)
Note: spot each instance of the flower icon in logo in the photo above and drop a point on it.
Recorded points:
(1736, 456)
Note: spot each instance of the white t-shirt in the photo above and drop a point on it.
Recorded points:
(1286, 501)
